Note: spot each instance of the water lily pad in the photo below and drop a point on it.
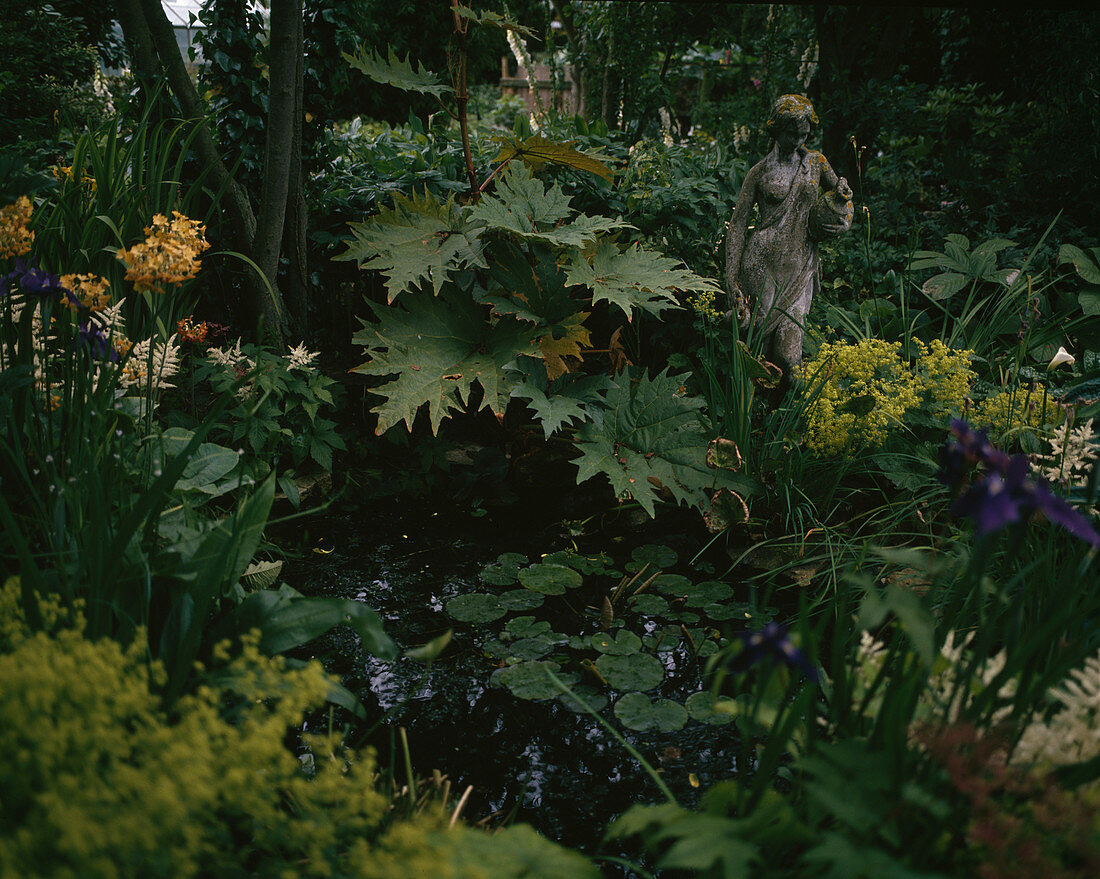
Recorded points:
(590, 696)
(494, 648)
(639, 671)
(636, 711)
(579, 642)
(650, 605)
(705, 708)
(622, 643)
(505, 570)
(534, 648)
(664, 639)
(672, 584)
(521, 599)
(706, 648)
(524, 627)
(528, 680)
(549, 579)
(596, 563)
(730, 611)
(475, 607)
(707, 592)
(657, 556)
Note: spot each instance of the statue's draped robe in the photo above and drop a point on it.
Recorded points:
(780, 270)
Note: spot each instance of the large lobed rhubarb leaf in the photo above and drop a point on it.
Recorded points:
(524, 206)
(439, 347)
(398, 72)
(634, 278)
(420, 240)
(652, 437)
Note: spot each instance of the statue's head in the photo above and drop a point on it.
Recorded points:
(788, 112)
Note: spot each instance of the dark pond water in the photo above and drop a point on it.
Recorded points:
(536, 762)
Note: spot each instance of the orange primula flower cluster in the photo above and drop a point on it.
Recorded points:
(15, 237)
(91, 290)
(169, 254)
(190, 331)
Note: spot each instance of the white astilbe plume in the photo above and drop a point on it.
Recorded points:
(1072, 735)
(1072, 454)
(231, 356)
(165, 364)
(300, 358)
(112, 320)
(948, 698)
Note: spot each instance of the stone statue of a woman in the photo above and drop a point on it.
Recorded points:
(772, 270)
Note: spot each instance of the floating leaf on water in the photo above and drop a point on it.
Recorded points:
(590, 696)
(656, 555)
(706, 648)
(706, 592)
(579, 642)
(664, 639)
(672, 584)
(705, 708)
(649, 605)
(549, 579)
(636, 711)
(596, 563)
(525, 627)
(622, 643)
(475, 607)
(535, 647)
(505, 570)
(494, 648)
(521, 599)
(639, 671)
(726, 611)
(723, 454)
(528, 680)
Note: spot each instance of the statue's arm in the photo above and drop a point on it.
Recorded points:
(738, 229)
(830, 181)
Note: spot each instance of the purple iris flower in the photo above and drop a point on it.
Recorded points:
(92, 339)
(771, 642)
(1005, 492)
(34, 280)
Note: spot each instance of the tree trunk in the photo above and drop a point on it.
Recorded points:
(284, 47)
(294, 229)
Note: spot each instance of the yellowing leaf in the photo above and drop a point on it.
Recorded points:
(555, 348)
(537, 150)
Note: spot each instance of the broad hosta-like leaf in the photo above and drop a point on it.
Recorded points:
(564, 402)
(651, 437)
(524, 206)
(439, 347)
(417, 242)
(634, 278)
(537, 150)
(1088, 267)
(398, 72)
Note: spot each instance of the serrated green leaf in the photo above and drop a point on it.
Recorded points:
(537, 150)
(396, 71)
(651, 436)
(634, 278)
(523, 206)
(419, 241)
(566, 401)
(439, 347)
(492, 19)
